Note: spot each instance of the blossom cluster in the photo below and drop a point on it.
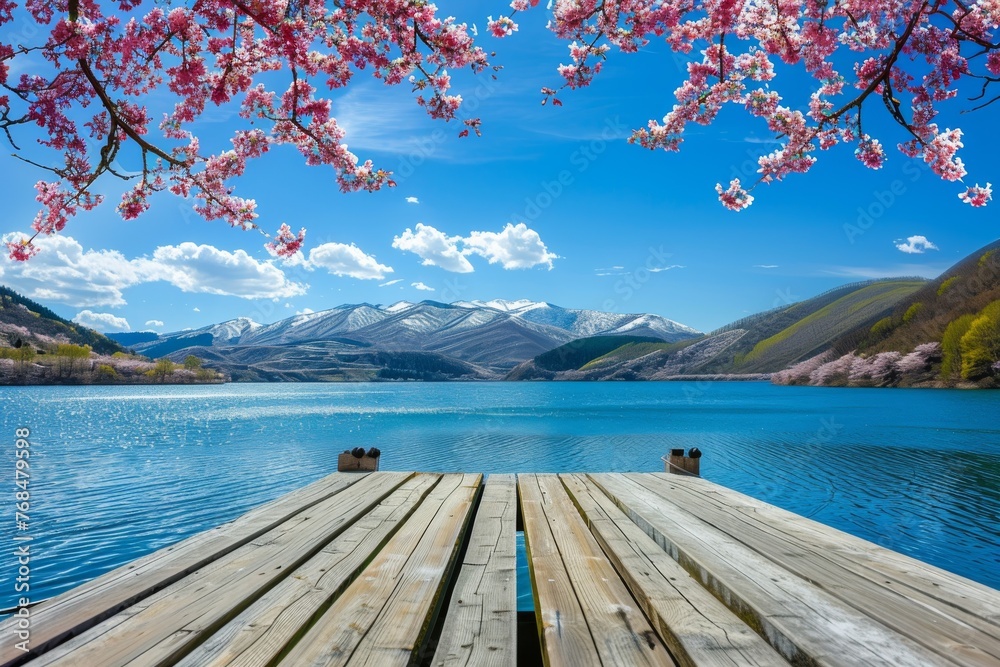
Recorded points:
(882, 369)
(103, 65)
(904, 58)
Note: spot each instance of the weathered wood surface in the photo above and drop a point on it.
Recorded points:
(380, 619)
(698, 629)
(257, 636)
(947, 614)
(801, 620)
(85, 606)
(584, 611)
(628, 569)
(480, 625)
(157, 630)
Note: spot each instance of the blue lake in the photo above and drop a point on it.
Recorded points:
(117, 472)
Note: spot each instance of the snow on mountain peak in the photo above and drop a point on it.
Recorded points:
(502, 305)
(233, 328)
(396, 307)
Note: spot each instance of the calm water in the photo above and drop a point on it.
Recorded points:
(119, 472)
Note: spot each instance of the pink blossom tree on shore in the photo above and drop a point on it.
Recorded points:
(96, 63)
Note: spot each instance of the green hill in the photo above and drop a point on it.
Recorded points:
(575, 354)
(34, 324)
(964, 289)
(759, 344)
(579, 352)
(805, 329)
(944, 334)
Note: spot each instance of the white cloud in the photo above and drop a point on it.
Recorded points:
(341, 259)
(206, 269)
(154, 323)
(516, 247)
(412, 200)
(434, 248)
(915, 245)
(305, 311)
(63, 272)
(102, 322)
(422, 286)
(658, 269)
(197, 309)
(391, 282)
(765, 266)
(377, 119)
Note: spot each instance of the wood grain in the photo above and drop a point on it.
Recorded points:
(586, 614)
(87, 605)
(480, 626)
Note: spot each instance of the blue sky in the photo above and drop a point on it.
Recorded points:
(626, 229)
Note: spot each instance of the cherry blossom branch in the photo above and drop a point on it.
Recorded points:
(118, 62)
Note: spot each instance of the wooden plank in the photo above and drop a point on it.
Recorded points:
(480, 626)
(384, 614)
(585, 613)
(698, 629)
(802, 622)
(978, 604)
(74, 611)
(562, 628)
(258, 636)
(166, 625)
(896, 597)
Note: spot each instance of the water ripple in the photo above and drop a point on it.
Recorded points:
(118, 472)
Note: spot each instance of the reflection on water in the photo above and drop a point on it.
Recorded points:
(117, 472)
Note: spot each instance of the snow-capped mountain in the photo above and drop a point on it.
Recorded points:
(495, 334)
(584, 323)
(231, 330)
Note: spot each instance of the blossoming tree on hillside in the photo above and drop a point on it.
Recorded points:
(88, 74)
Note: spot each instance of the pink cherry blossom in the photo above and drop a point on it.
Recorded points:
(865, 57)
(103, 65)
(501, 27)
(977, 196)
(734, 197)
(285, 243)
(90, 86)
(870, 152)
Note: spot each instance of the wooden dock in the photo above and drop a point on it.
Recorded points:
(395, 568)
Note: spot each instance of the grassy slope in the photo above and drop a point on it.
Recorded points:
(577, 353)
(816, 331)
(965, 288)
(785, 335)
(631, 351)
(44, 325)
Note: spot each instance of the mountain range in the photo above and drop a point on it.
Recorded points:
(753, 346)
(908, 331)
(425, 340)
(888, 332)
